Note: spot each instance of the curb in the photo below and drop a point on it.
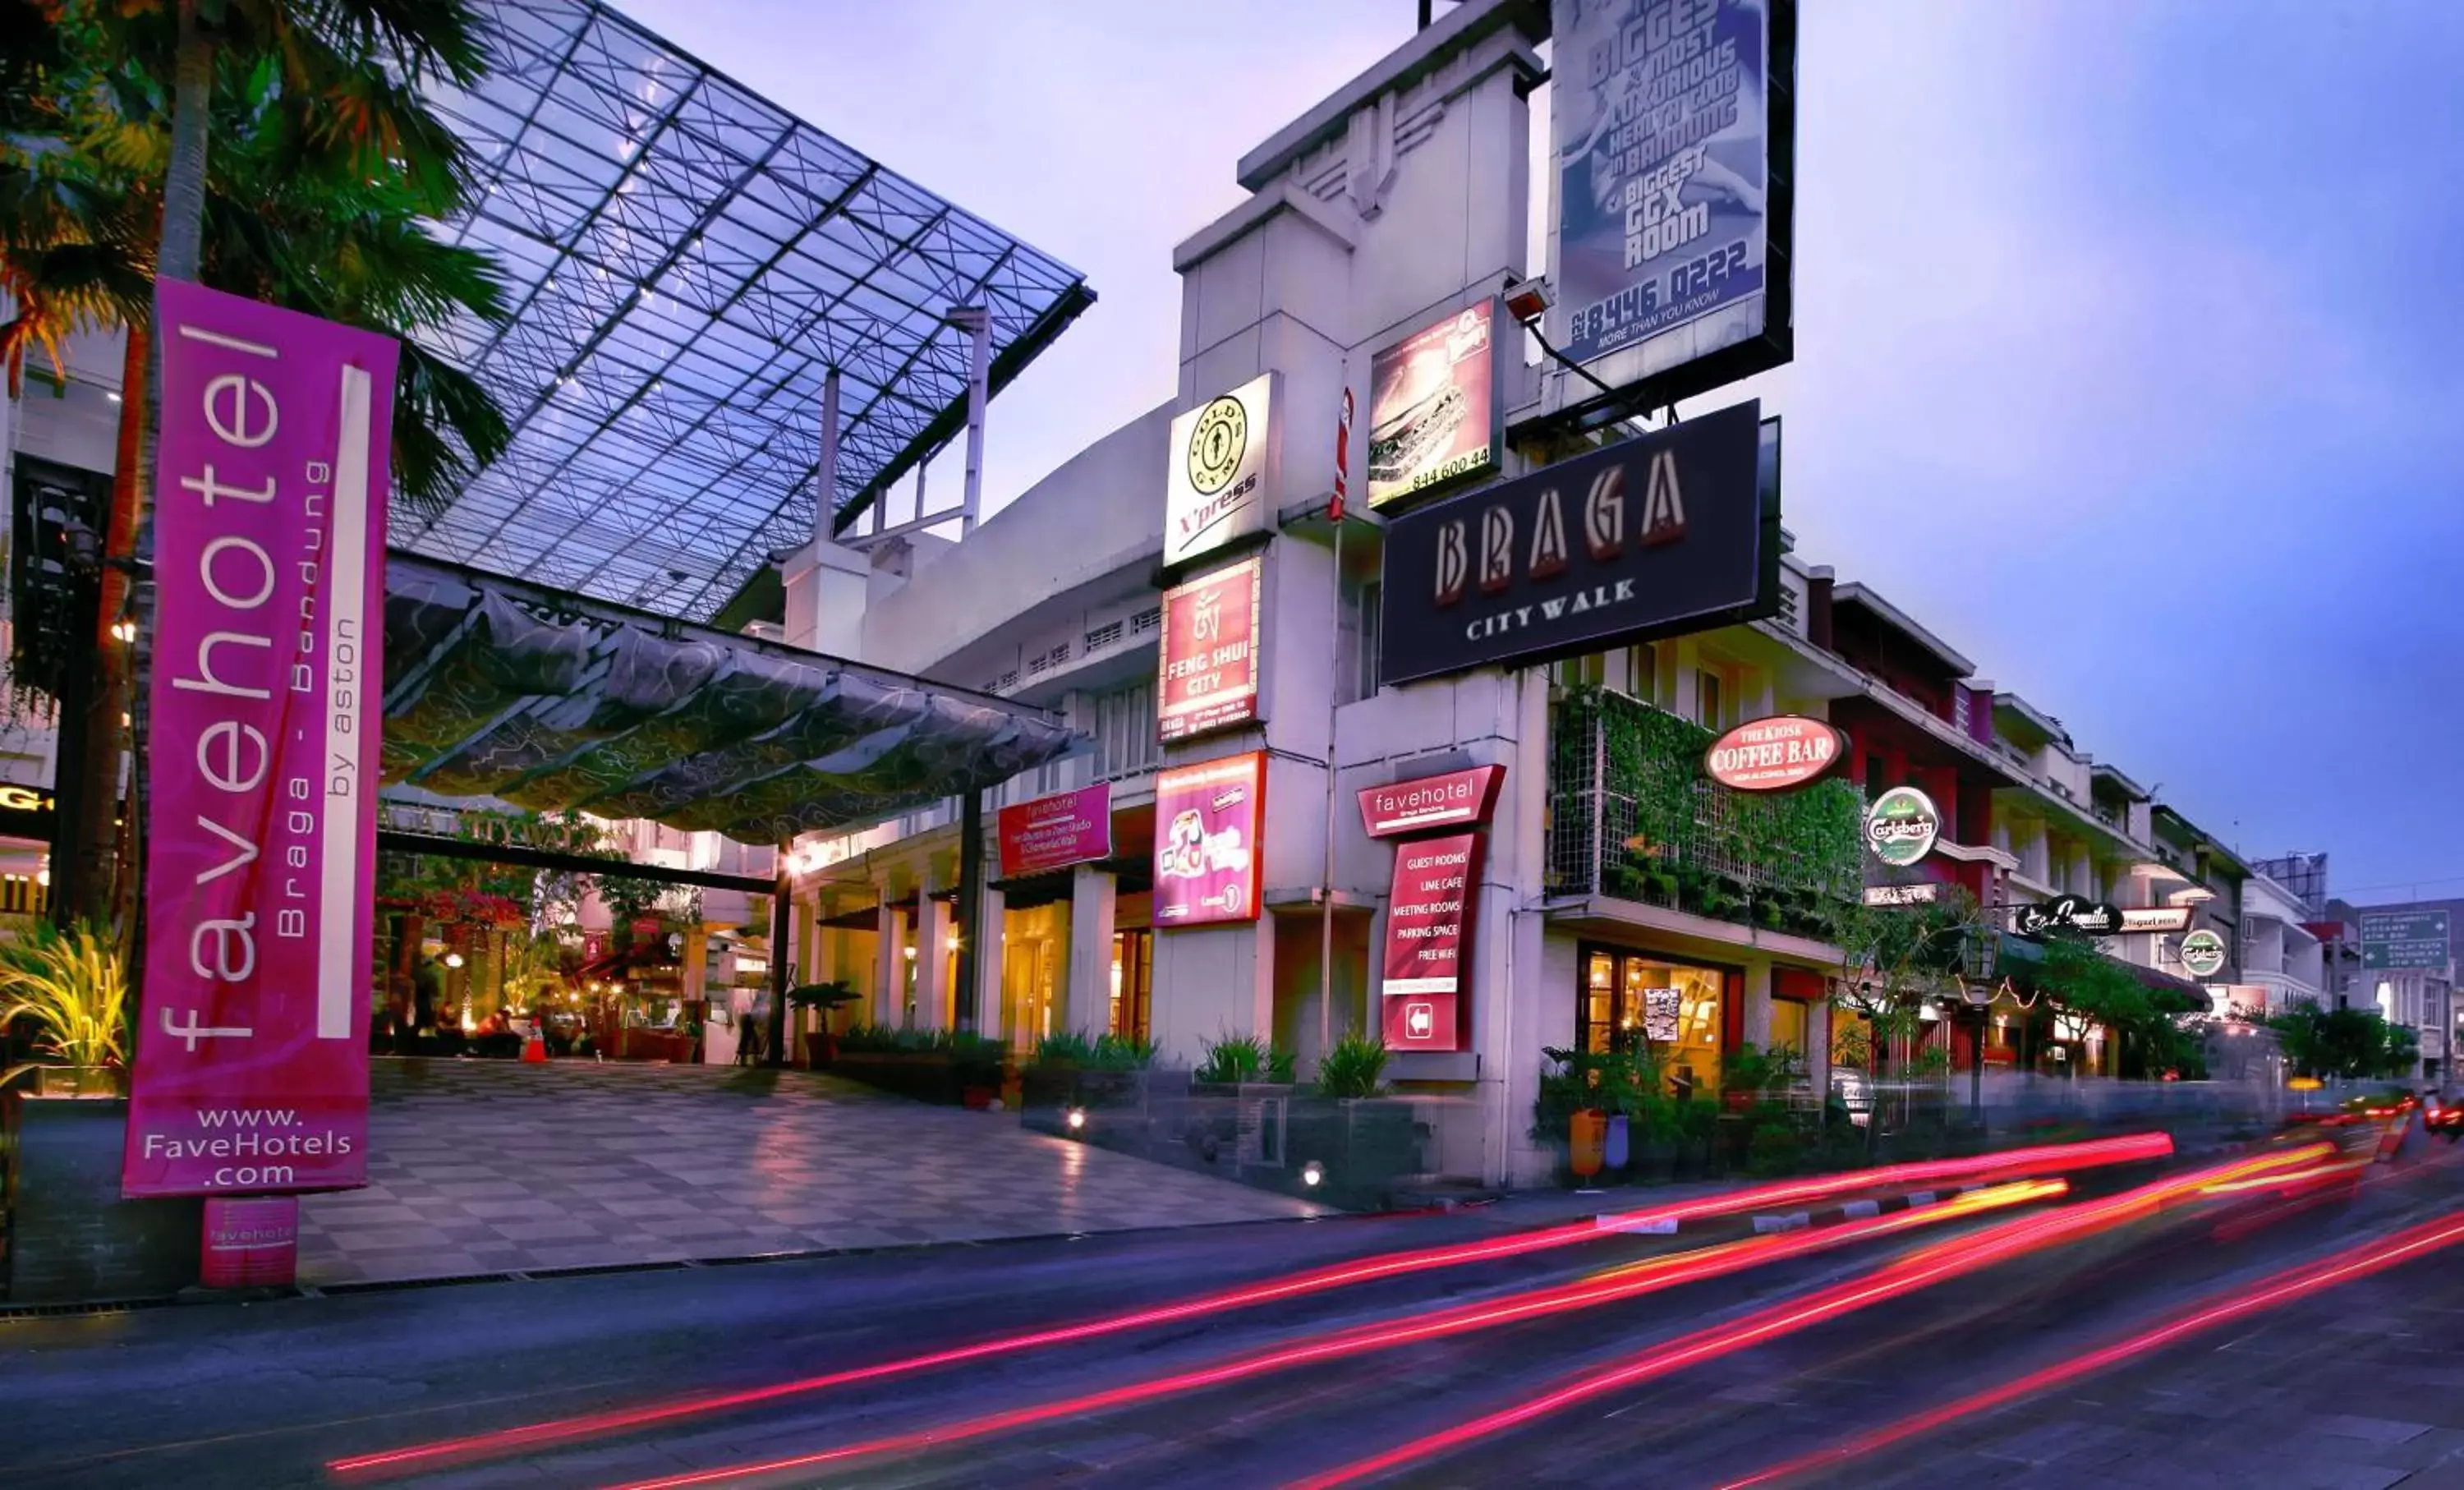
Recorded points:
(1766, 1222)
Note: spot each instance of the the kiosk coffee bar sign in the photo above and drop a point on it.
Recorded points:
(1902, 826)
(1668, 531)
(1779, 753)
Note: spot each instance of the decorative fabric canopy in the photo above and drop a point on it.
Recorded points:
(496, 688)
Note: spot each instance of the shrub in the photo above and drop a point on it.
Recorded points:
(73, 989)
(1352, 1067)
(1243, 1058)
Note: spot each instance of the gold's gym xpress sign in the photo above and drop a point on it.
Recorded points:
(1222, 482)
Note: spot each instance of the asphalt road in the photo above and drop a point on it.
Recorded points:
(2352, 1385)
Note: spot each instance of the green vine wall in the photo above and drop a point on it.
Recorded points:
(1668, 835)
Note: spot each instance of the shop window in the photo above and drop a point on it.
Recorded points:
(1790, 1025)
(1642, 672)
(1708, 711)
(1133, 984)
(1592, 669)
(1677, 1010)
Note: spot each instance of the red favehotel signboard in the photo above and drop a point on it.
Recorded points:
(252, 1070)
(1428, 940)
(1775, 754)
(1458, 799)
(1055, 832)
(1208, 672)
(1208, 821)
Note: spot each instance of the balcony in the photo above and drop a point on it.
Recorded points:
(1633, 816)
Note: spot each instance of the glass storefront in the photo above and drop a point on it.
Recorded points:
(1133, 983)
(1679, 1009)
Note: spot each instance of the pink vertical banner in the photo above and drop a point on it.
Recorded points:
(252, 1070)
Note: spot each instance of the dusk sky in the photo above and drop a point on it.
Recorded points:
(2125, 331)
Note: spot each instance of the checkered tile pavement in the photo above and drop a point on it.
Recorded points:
(492, 1166)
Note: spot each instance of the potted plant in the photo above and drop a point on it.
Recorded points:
(71, 1236)
(823, 1048)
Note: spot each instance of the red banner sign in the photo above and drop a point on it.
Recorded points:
(1458, 799)
(1054, 832)
(1775, 754)
(1428, 933)
(1209, 820)
(1209, 670)
(252, 1070)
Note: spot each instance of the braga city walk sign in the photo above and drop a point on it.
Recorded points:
(252, 1066)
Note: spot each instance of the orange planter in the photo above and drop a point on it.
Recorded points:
(1589, 1140)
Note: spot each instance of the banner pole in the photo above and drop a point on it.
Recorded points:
(1333, 701)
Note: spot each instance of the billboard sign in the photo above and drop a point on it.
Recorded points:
(1209, 819)
(2204, 954)
(252, 1065)
(1432, 406)
(2156, 918)
(1428, 936)
(2068, 914)
(1220, 485)
(1055, 832)
(1779, 753)
(1924, 892)
(2398, 939)
(1902, 826)
(1674, 123)
(1207, 668)
(1665, 532)
(1458, 799)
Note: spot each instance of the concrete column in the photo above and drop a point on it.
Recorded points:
(696, 968)
(933, 965)
(1758, 1005)
(991, 955)
(1087, 1006)
(889, 968)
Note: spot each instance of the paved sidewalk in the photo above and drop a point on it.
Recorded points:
(480, 1167)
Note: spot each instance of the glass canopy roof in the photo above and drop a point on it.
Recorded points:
(685, 259)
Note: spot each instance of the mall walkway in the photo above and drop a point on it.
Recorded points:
(492, 1167)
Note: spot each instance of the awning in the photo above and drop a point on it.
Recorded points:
(499, 689)
(2022, 956)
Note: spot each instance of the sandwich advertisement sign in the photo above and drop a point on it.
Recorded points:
(1433, 407)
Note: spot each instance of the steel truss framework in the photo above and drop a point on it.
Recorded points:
(685, 261)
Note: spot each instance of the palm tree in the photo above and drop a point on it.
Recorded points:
(329, 162)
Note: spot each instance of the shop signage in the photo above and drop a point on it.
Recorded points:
(2203, 953)
(1433, 410)
(1673, 131)
(1054, 832)
(1428, 922)
(1208, 669)
(1221, 483)
(1902, 826)
(2394, 939)
(2156, 918)
(1458, 799)
(1919, 894)
(1664, 533)
(252, 1070)
(2067, 914)
(1775, 755)
(1208, 821)
(26, 812)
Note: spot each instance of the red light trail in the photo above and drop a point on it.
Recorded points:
(2359, 1261)
(1631, 1280)
(2008, 1164)
(1936, 1263)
